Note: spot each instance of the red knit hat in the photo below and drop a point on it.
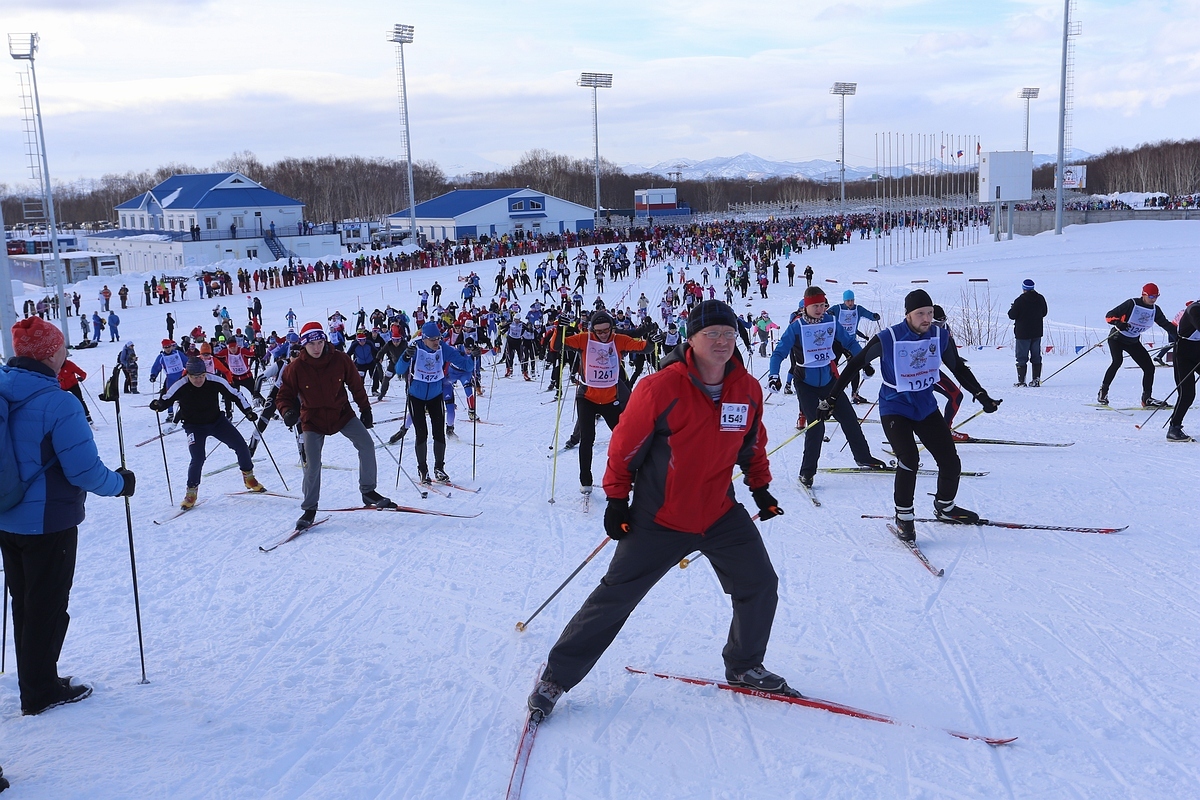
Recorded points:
(167, 343)
(35, 338)
(1150, 289)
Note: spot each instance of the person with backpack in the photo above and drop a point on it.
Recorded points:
(48, 464)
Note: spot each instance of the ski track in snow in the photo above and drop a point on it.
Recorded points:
(376, 656)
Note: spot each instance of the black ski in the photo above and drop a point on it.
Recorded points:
(916, 551)
(974, 440)
(1013, 525)
(177, 514)
(405, 510)
(295, 532)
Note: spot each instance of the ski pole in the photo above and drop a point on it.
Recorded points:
(562, 351)
(521, 626)
(4, 638)
(115, 396)
(1076, 358)
(271, 455)
(166, 469)
(99, 409)
(860, 422)
(1168, 397)
(786, 442)
(383, 444)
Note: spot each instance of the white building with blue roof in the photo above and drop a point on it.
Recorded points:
(472, 213)
(195, 220)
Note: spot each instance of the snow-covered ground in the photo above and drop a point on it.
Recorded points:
(376, 656)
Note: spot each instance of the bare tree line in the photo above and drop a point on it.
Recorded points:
(349, 187)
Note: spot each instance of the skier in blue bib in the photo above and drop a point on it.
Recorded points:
(849, 314)
(911, 355)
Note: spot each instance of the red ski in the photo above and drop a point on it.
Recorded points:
(524, 748)
(812, 702)
(296, 532)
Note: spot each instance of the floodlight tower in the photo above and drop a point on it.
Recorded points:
(594, 81)
(843, 89)
(1027, 94)
(402, 35)
(23, 47)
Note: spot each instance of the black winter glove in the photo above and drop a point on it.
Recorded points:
(825, 408)
(158, 404)
(130, 482)
(291, 417)
(875, 317)
(768, 506)
(616, 519)
(367, 417)
(1121, 325)
(251, 415)
(989, 405)
(409, 352)
(869, 371)
(774, 383)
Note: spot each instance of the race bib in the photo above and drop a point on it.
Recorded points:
(817, 341)
(917, 364)
(1140, 320)
(734, 416)
(237, 365)
(427, 366)
(173, 364)
(848, 319)
(603, 365)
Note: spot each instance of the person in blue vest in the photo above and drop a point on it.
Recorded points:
(97, 326)
(809, 340)
(170, 362)
(55, 458)
(911, 355)
(849, 314)
(424, 363)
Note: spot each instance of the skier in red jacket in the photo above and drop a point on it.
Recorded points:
(685, 428)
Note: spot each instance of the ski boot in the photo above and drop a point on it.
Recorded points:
(872, 463)
(806, 480)
(1037, 376)
(946, 511)
(759, 678)
(1020, 377)
(471, 415)
(423, 475)
(189, 499)
(543, 698)
(906, 530)
(1102, 396)
(170, 418)
(585, 489)
(398, 435)
(306, 519)
(1021, 384)
(374, 499)
(859, 400)
(572, 442)
(787, 389)
(1150, 402)
(450, 431)
(508, 373)
(252, 483)
(525, 375)
(959, 437)
(1175, 434)
(801, 422)
(440, 475)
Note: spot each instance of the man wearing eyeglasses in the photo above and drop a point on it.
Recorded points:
(1131, 319)
(604, 390)
(686, 428)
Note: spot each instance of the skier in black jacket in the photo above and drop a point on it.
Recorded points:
(1131, 319)
(1187, 362)
(1027, 313)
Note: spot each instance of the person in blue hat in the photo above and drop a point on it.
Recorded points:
(424, 365)
(848, 315)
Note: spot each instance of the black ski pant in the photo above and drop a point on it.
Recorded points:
(39, 570)
(846, 416)
(736, 552)
(1187, 363)
(223, 431)
(75, 390)
(902, 433)
(1118, 346)
(585, 412)
(436, 409)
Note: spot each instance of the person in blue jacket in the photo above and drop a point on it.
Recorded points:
(169, 362)
(56, 458)
(424, 364)
(849, 314)
(97, 325)
(809, 339)
(911, 355)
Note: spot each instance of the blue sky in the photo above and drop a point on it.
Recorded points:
(140, 83)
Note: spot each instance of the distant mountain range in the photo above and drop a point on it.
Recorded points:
(748, 165)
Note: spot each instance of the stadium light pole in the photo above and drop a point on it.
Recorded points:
(595, 81)
(1027, 94)
(843, 89)
(1062, 124)
(402, 35)
(23, 47)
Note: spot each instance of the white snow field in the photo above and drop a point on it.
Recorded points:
(376, 656)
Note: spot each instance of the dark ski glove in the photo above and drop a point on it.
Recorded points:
(869, 370)
(825, 408)
(768, 506)
(774, 383)
(989, 405)
(291, 416)
(251, 415)
(368, 418)
(130, 481)
(158, 404)
(616, 519)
